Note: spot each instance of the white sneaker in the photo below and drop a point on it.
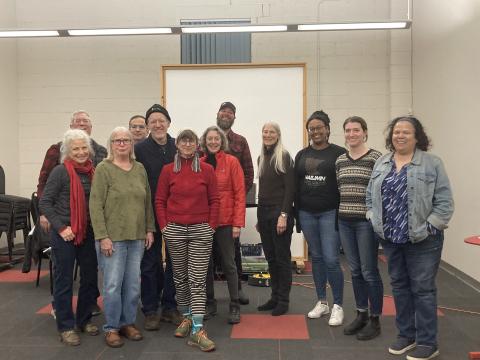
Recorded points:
(336, 319)
(319, 310)
(53, 313)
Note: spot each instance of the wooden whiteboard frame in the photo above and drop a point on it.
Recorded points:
(164, 100)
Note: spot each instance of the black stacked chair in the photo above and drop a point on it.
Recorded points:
(40, 243)
(14, 215)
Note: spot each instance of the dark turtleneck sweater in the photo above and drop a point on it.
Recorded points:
(277, 189)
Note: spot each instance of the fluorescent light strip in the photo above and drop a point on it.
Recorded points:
(27, 33)
(232, 29)
(105, 32)
(355, 26)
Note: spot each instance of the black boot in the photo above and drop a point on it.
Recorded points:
(234, 315)
(269, 305)
(280, 309)
(371, 330)
(356, 325)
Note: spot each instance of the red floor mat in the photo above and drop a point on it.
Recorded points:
(284, 327)
(14, 275)
(48, 308)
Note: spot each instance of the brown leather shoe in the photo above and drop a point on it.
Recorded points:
(113, 339)
(131, 332)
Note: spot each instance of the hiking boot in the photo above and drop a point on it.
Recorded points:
(269, 305)
(371, 330)
(70, 337)
(423, 352)
(201, 340)
(356, 325)
(90, 329)
(113, 339)
(184, 329)
(131, 332)
(234, 314)
(401, 346)
(336, 318)
(319, 310)
(152, 322)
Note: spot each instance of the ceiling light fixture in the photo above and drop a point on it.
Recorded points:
(233, 29)
(27, 33)
(125, 31)
(356, 26)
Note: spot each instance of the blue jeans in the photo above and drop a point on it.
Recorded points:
(412, 268)
(324, 247)
(157, 285)
(361, 251)
(65, 253)
(121, 282)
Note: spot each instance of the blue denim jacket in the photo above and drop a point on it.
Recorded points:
(429, 195)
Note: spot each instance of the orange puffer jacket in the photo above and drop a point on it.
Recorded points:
(231, 187)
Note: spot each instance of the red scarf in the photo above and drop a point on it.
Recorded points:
(78, 206)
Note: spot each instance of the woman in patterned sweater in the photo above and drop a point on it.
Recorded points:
(354, 170)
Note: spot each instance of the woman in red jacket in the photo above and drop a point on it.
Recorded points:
(187, 206)
(231, 187)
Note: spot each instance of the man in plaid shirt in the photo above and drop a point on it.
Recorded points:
(238, 147)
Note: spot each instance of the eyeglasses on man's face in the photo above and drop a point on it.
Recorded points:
(121, 141)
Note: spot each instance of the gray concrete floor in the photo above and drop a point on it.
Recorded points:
(26, 335)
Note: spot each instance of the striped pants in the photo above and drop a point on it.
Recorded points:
(190, 247)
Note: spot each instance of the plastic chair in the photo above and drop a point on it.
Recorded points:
(14, 215)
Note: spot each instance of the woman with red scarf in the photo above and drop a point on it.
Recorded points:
(65, 204)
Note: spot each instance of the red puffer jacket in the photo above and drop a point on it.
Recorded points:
(231, 187)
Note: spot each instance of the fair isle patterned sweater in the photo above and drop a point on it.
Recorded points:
(353, 177)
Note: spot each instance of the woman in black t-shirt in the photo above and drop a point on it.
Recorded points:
(316, 202)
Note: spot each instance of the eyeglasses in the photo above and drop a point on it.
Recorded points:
(158, 121)
(187, 141)
(121, 141)
(316, 129)
(139, 127)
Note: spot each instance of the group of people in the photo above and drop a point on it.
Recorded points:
(190, 192)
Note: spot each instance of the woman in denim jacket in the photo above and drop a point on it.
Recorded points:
(409, 203)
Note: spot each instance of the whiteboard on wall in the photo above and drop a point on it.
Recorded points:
(261, 92)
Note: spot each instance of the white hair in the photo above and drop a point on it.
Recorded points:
(78, 112)
(71, 135)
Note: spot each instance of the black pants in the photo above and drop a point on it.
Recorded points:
(277, 251)
(223, 245)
